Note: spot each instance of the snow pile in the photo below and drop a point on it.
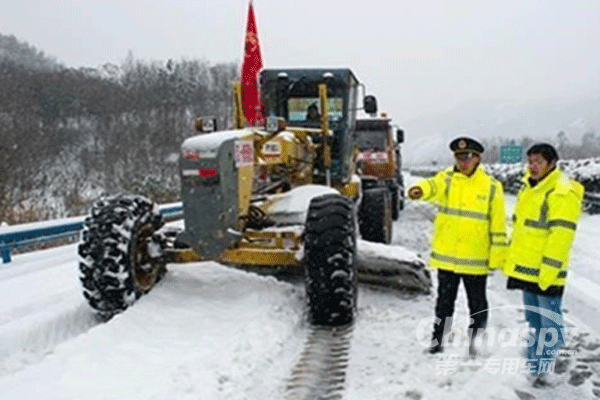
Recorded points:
(509, 174)
(586, 171)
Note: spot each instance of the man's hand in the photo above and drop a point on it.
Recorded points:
(415, 193)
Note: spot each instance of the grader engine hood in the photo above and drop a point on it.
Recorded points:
(290, 208)
(211, 189)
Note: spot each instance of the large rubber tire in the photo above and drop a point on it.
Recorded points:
(394, 192)
(401, 200)
(115, 267)
(375, 216)
(401, 191)
(330, 251)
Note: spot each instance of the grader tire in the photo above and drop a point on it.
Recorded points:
(395, 202)
(330, 252)
(375, 216)
(115, 268)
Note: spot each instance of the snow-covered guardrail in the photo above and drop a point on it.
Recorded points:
(16, 236)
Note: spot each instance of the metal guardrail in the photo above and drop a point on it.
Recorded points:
(14, 237)
(18, 236)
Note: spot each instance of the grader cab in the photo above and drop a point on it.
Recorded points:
(282, 195)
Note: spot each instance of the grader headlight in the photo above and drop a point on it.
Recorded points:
(275, 124)
(205, 124)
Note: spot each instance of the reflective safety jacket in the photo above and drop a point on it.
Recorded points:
(544, 223)
(469, 234)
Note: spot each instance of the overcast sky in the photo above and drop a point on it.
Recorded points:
(417, 57)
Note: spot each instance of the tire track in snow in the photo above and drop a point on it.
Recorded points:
(320, 373)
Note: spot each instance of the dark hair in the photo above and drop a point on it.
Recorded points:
(546, 150)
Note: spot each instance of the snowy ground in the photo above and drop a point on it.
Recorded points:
(210, 332)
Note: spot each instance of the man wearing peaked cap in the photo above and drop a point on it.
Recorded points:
(469, 236)
(465, 144)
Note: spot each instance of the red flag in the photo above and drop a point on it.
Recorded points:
(251, 65)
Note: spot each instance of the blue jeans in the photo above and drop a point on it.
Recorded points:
(544, 315)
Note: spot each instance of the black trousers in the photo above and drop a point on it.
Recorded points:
(475, 286)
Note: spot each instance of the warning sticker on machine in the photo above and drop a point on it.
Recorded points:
(271, 149)
(244, 153)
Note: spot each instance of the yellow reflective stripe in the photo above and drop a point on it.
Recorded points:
(491, 197)
(552, 262)
(432, 186)
(492, 191)
(498, 239)
(448, 182)
(536, 224)
(463, 213)
(461, 261)
(546, 225)
(544, 209)
(527, 270)
(562, 274)
(541, 223)
(563, 223)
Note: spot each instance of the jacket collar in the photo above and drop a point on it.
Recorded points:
(547, 182)
(476, 173)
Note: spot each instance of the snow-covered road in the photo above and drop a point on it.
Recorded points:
(211, 332)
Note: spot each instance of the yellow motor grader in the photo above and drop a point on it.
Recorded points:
(281, 195)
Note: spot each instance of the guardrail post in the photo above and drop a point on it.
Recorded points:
(5, 252)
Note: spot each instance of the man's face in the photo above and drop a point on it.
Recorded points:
(466, 162)
(538, 166)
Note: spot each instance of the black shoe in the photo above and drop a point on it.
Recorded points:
(473, 352)
(436, 348)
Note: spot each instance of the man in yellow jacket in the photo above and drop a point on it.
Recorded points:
(469, 237)
(546, 213)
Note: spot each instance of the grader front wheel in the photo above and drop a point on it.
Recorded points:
(119, 260)
(330, 253)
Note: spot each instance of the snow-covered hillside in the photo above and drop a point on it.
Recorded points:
(428, 135)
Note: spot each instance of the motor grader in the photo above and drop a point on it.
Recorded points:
(281, 195)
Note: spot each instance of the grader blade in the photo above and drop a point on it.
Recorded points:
(391, 266)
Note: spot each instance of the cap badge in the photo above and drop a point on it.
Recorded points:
(462, 144)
